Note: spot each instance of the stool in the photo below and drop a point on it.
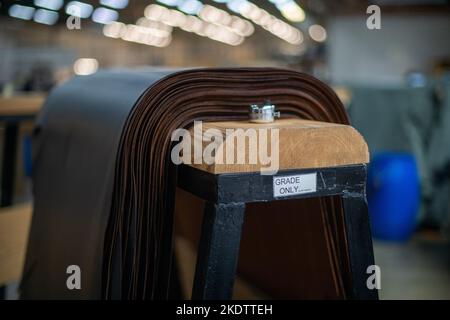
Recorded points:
(332, 162)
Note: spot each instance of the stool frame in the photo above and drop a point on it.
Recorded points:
(226, 195)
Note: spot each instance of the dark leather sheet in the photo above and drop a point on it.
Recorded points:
(104, 184)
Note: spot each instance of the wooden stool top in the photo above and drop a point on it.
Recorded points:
(303, 144)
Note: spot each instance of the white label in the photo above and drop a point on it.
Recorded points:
(285, 186)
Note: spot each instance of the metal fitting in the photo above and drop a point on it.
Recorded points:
(263, 113)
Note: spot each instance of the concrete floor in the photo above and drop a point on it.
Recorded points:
(418, 269)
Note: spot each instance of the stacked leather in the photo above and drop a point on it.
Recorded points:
(104, 184)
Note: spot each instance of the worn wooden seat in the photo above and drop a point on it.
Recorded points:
(303, 144)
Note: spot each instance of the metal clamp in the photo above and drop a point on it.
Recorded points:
(263, 113)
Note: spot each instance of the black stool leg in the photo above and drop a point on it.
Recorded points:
(359, 238)
(9, 163)
(8, 172)
(218, 251)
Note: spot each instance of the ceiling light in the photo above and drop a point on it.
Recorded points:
(46, 16)
(190, 6)
(85, 66)
(238, 6)
(157, 27)
(21, 12)
(104, 15)
(114, 29)
(116, 4)
(317, 33)
(49, 4)
(79, 9)
(170, 2)
(292, 11)
(231, 33)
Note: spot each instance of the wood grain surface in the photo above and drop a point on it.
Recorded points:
(302, 144)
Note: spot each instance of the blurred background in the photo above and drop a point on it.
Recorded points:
(389, 64)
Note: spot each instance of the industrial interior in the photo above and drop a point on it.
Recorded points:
(97, 202)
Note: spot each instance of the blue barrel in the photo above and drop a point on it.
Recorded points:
(393, 194)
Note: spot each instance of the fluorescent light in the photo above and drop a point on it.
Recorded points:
(221, 17)
(46, 16)
(104, 15)
(190, 6)
(189, 23)
(21, 12)
(269, 22)
(170, 2)
(317, 33)
(145, 35)
(158, 28)
(279, 2)
(79, 9)
(85, 66)
(49, 4)
(114, 29)
(238, 6)
(116, 4)
(292, 11)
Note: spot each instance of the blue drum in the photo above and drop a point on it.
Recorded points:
(393, 193)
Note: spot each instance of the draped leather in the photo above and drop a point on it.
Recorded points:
(104, 185)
